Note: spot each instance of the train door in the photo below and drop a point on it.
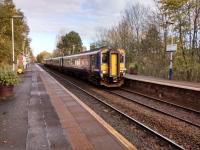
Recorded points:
(61, 64)
(114, 64)
(93, 63)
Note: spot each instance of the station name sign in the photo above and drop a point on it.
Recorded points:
(171, 48)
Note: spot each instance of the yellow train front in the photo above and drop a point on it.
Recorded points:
(112, 67)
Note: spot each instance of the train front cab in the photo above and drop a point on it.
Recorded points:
(47, 62)
(112, 67)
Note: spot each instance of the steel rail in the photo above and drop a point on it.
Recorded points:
(157, 99)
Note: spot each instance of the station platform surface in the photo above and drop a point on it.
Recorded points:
(173, 83)
(44, 115)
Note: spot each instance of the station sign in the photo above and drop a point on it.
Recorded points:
(171, 48)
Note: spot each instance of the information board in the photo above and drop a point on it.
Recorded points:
(171, 48)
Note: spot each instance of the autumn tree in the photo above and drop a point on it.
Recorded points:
(57, 53)
(43, 55)
(22, 43)
(184, 14)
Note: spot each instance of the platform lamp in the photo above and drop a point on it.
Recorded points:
(13, 40)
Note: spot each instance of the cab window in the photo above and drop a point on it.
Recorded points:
(121, 58)
(104, 58)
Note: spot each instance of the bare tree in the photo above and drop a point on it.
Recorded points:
(136, 15)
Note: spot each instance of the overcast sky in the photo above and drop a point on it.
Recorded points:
(48, 18)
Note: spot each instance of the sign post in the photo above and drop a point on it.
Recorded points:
(171, 48)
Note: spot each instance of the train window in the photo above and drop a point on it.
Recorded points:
(121, 58)
(68, 62)
(104, 58)
(93, 60)
(73, 62)
(81, 61)
(86, 62)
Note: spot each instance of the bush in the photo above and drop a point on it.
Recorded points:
(8, 77)
(133, 68)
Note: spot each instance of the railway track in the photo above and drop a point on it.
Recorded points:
(162, 101)
(140, 124)
(157, 109)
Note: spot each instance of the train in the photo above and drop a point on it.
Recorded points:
(102, 66)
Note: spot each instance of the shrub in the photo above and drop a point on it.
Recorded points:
(8, 77)
(133, 68)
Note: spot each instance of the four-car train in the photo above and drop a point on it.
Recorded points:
(103, 66)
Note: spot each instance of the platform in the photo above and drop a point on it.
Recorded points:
(172, 83)
(83, 128)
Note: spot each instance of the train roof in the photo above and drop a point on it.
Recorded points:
(82, 54)
(76, 55)
(53, 58)
(93, 51)
(90, 52)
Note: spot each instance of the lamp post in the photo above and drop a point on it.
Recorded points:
(13, 40)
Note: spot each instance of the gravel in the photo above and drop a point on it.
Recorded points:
(164, 107)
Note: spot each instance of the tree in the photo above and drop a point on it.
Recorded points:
(56, 53)
(70, 43)
(43, 55)
(185, 15)
(152, 52)
(7, 10)
(129, 31)
(136, 16)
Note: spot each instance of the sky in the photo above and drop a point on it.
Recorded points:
(49, 18)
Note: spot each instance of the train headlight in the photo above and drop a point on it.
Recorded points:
(123, 72)
(104, 72)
